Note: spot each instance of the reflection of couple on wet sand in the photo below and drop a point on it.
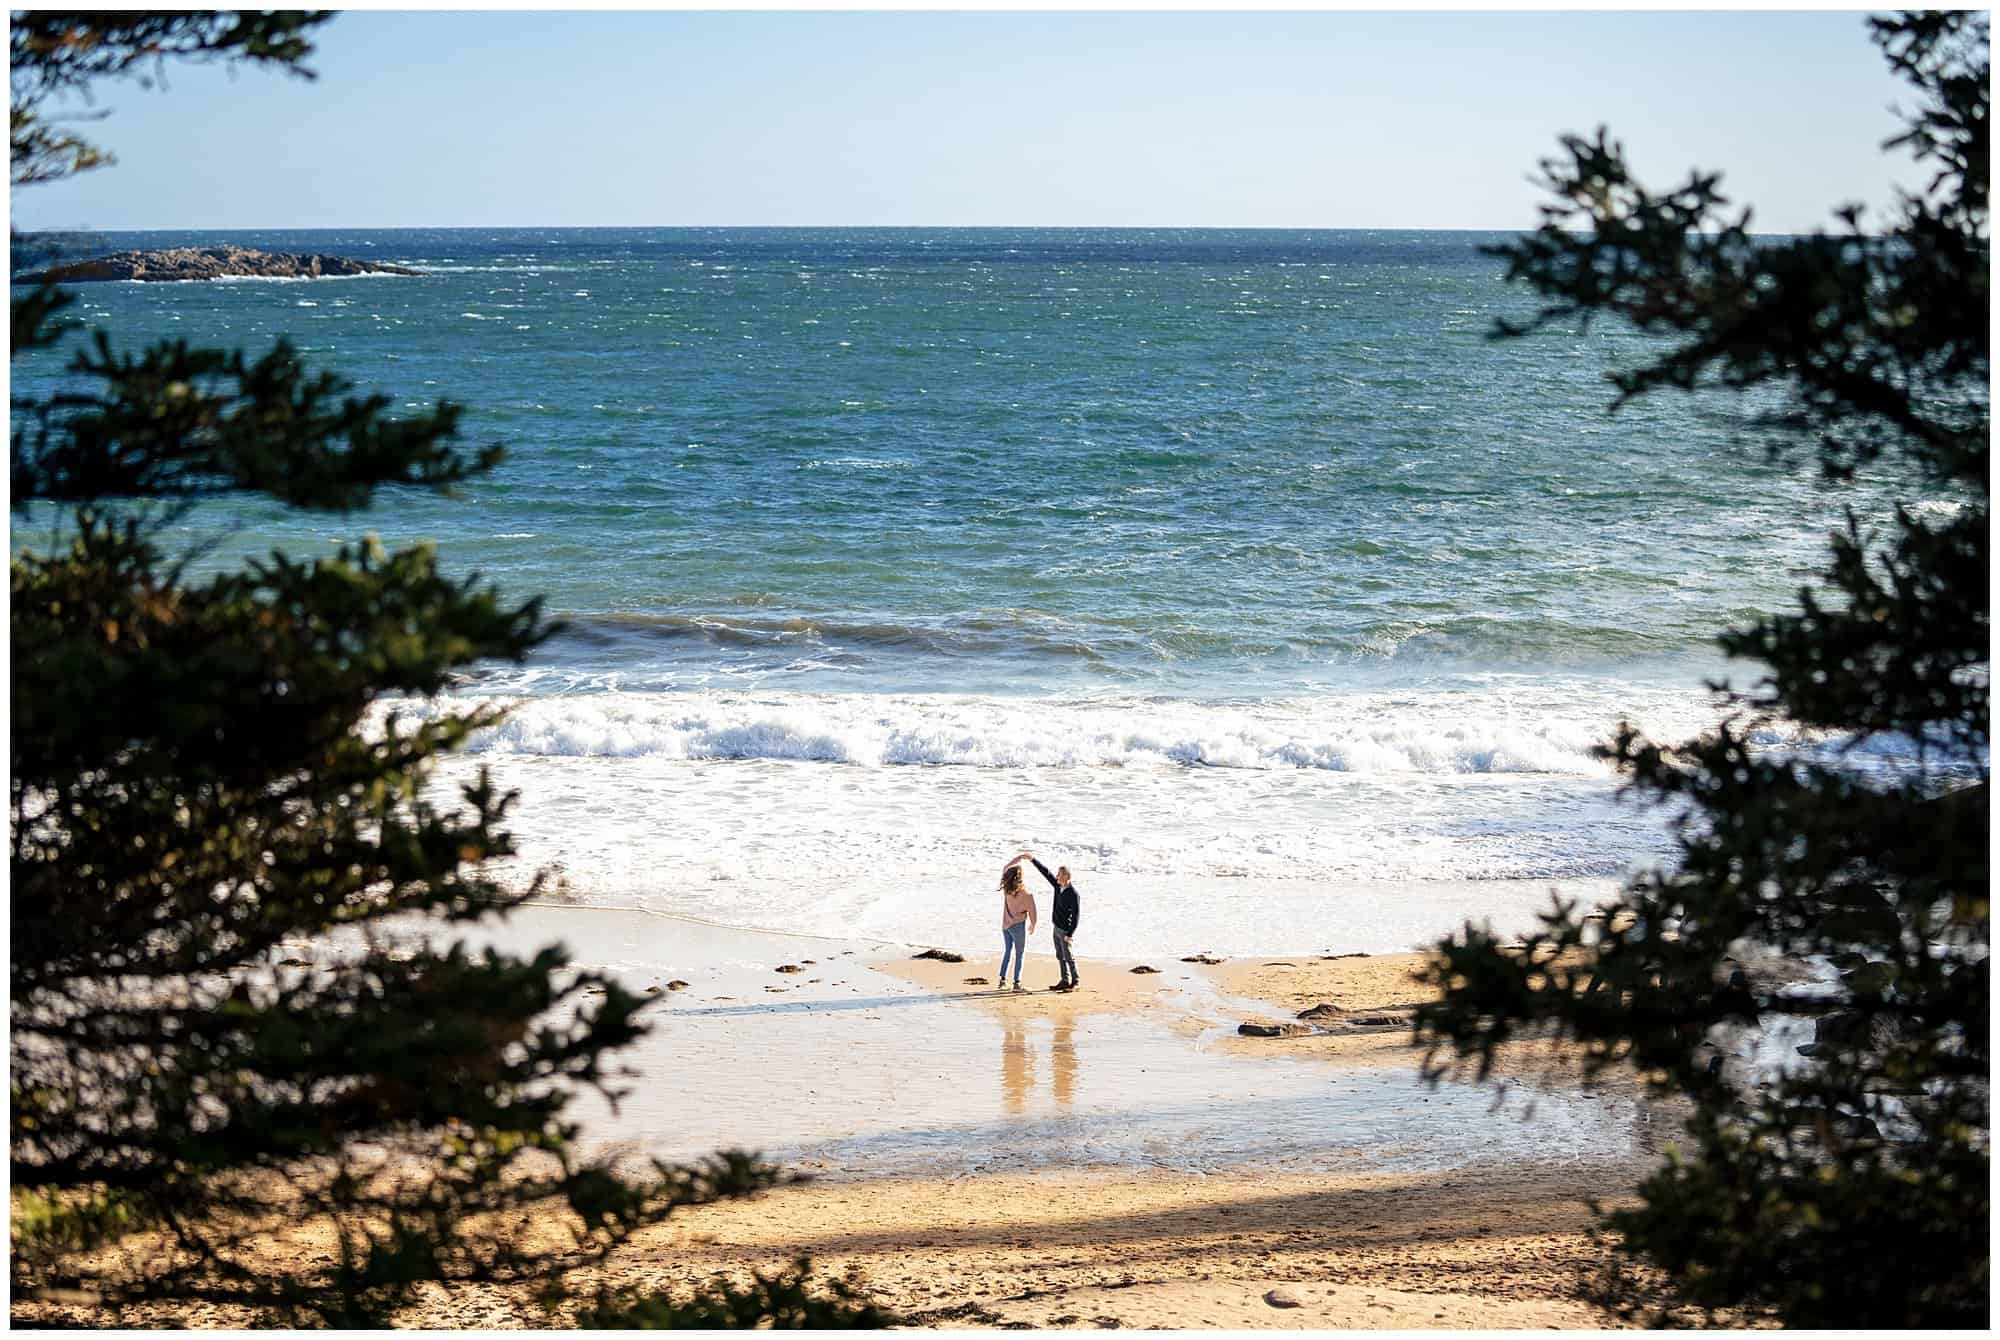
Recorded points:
(1017, 1067)
(1018, 917)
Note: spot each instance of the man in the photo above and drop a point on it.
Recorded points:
(1063, 917)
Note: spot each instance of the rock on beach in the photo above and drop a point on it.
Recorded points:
(177, 264)
(1255, 1029)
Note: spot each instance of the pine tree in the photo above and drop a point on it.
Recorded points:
(1852, 1190)
(194, 789)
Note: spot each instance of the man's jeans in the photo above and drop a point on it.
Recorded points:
(1063, 959)
(1016, 940)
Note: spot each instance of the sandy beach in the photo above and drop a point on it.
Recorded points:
(1116, 1156)
(1112, 1248)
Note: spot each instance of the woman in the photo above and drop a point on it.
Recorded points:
(1017, 919)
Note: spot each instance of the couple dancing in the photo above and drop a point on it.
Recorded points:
(1017, 918)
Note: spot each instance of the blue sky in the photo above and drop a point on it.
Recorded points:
(1326, 120)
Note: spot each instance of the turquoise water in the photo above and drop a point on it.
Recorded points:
(1237, 558)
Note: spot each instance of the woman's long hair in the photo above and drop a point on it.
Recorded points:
(1010, 879)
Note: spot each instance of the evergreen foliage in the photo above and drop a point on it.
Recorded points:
(57, 54)
(1853, 1188)
(202, 774)
(783, 1301)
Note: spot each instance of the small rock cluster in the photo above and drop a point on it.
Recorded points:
(1315, 1019)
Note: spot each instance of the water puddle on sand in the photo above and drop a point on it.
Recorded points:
(842, 1069)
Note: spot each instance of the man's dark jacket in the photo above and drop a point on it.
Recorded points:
(1064, 913)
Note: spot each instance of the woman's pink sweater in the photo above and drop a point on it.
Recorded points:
(1019, 906)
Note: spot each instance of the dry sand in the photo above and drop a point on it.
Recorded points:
(1069, 1249)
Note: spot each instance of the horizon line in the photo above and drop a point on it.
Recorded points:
(20, 236)
(773, 227)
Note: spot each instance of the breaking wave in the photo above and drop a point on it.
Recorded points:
(1358, 733)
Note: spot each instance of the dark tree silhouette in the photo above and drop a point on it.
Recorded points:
(56, 55)
(1852, 1188)
(193, 790)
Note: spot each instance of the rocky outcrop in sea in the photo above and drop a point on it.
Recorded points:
(177, 264)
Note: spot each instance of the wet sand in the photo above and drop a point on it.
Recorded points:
(866, 1063)
(1117, 1155)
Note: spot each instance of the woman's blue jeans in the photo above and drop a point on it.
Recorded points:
(1015, 938)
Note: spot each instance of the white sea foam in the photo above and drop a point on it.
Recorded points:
(1525, 731)
(1236, 863)
(445, 268)
(274, 279)
(1937, 509)
(857, 463)
(1365, 821)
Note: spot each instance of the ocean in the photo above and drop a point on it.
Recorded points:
(1237, 570)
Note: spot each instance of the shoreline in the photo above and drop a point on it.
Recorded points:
(1039, 948)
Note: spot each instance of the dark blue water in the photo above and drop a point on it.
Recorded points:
(1027, 459)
